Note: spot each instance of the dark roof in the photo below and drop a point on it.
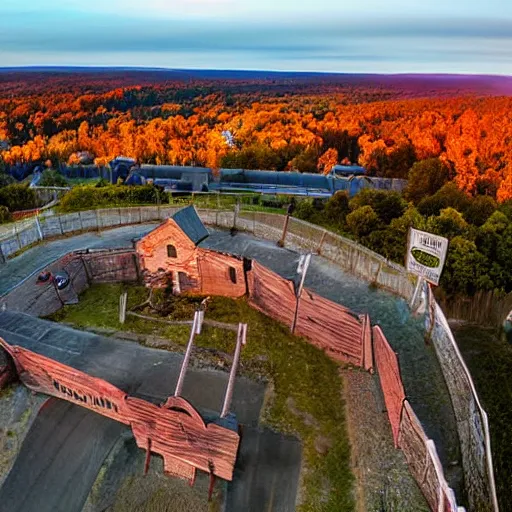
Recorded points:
(190, 223)
(348, 169)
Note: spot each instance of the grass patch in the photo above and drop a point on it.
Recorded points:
(489, 360)
(301, 374)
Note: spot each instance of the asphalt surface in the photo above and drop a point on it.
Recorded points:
(59, 459)
(266, 474)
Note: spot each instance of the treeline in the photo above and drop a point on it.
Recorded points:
(281, 126)
(478, 228)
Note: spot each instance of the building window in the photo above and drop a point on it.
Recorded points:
(232, 274)
(171, 251)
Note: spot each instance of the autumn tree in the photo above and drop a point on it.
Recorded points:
(327, 161)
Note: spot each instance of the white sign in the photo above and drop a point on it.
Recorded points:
(426, 254)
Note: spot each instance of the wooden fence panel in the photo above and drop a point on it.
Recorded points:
(387, 365)
(271, 294)
(221, 274)
(331, 327)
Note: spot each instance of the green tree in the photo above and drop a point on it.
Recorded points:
(387, 205)
(480, 209)
(425, 178)
(362, 221)
(337, 208)
(504, 256)
(449, 196)
(448, 223)
(466, 269)
(306, 160)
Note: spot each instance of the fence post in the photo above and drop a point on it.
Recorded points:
(17, 235)
(122, 307)
(81, 222)
(285, 230)
(39, 230)
(319, 248)
(302, 269)
(237, 211)
(417, 289)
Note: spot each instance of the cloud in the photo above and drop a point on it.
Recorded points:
(282, 44)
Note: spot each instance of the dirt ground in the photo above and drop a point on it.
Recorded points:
(383, 480)
(121, 486)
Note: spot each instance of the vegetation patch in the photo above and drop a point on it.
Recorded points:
(307, 399)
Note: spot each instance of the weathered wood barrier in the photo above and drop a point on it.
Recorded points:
(174, 430)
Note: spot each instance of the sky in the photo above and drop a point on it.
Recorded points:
(368, 36)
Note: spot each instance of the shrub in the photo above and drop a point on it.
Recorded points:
(480, 209)
(337, 208)
(84, 197)
(387, 205)
(363, 221)
(5, 215)
(18, 197)
(305, 210)
(52, 178)
(449, 196)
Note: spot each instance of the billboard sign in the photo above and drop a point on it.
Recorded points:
(426, 254)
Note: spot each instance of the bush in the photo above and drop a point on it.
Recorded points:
(466, 269)
(337, 208)
(363, 221)
(85, 197)
(449, 223)
(305, 210)
(387, 205)
(5, 179)
(52, 178)
(480, 209)
(18, 197)
(449, 196)
(5, 215)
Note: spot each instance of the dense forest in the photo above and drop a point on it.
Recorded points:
(274, 123)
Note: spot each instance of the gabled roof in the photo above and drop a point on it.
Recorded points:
(189, 222)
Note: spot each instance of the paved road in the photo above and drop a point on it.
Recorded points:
(58, 463)
(266, 475)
